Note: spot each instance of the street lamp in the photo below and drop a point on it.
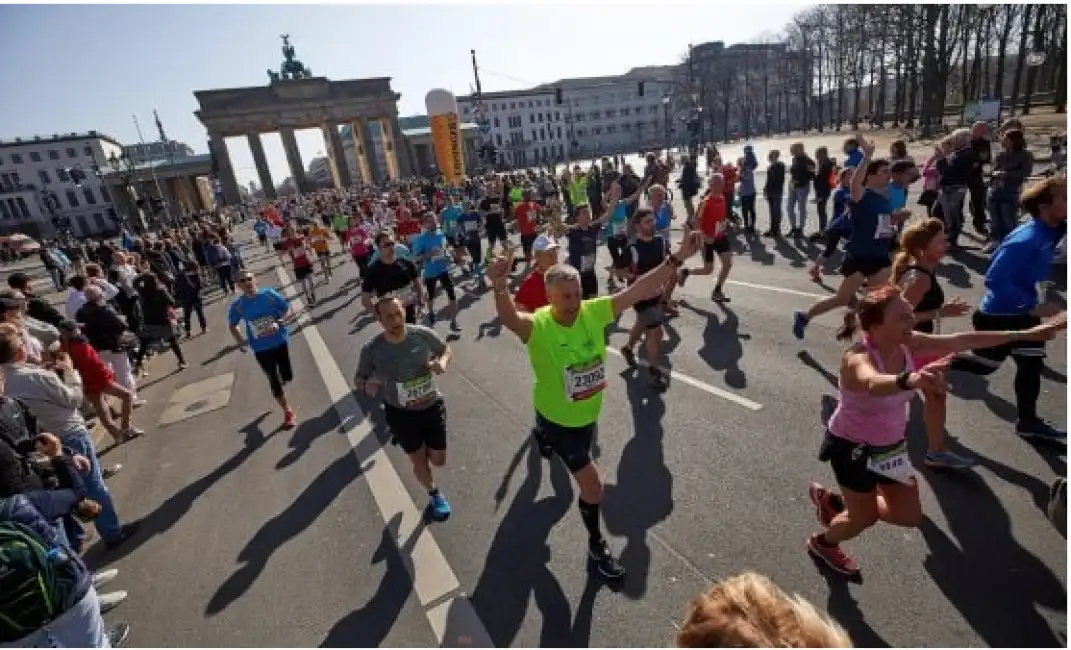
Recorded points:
(665, 119)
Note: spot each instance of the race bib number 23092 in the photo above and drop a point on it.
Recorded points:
(585, 381)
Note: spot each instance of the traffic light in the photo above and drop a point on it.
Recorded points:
(558, 96)
(639, 89)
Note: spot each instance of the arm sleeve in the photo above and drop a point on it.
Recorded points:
(365, 365)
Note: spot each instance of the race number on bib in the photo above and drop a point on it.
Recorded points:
(884, 229)
(587, 263)
(405, 295)
(620, 229)
(472, 226)
(415, 390)
(894, 464)
(585, 381)
(263, 326)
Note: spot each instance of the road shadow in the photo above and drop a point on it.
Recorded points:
(955, 274)
(290, 523)
(306, 433)
(975, 388)
(787, 249)
(643, 494)
(516, 567)
(168, 513)
(368, 626)
(756, 249)
(722, 343)
(844, 608)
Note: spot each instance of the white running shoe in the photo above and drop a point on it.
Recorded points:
(101, 578)
(111, 600)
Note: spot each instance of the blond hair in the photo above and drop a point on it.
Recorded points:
(750, 611)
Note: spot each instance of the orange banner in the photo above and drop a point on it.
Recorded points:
(446, 138)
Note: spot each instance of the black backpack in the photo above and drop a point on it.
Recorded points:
(37, 581)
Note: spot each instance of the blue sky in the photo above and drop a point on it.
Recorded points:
(76, 68)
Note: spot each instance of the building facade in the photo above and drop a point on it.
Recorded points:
(38, 191)
(525, 126)
(170, 150)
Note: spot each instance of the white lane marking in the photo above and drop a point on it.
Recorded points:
(705, 387)
(434, 582)
(767, 287)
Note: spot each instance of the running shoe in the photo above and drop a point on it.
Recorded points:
(719, 296)
(111, 600)
(118, 635)
(603, 561)
(947, 460)
(799, 324)
(1040, 429)
(827, 504)
(289, 419)
(833, 556)
(439, 507)
(454, 326)
(101, 578)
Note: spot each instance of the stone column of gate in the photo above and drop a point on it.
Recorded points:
(293, 158)
(194, 193)
(362, 140)
(336, 156)
(390, 148)
(226, 178)
(403, 152)
(256, 147)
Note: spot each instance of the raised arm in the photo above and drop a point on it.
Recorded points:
(651, 282)
(515, 321)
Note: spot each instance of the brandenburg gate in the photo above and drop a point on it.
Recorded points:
(294, 100)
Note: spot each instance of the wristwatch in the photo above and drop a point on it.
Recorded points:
(902, 380)
(675, 261)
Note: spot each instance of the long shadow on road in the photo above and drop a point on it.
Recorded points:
(516, 567)
(169, 512)
(368, 626)
(286, 526)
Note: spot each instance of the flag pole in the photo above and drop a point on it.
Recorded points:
(152, 171)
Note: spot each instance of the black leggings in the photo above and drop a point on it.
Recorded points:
(1029, 359)
(823, 217)
(143, 348)
(747, 210)
(275, 362)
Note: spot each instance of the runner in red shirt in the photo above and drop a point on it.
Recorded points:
(300, 254)
(406, 225)
(527, 213)
(714, 226)
(532, 293)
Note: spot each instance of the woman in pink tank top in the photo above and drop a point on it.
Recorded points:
(865, 443)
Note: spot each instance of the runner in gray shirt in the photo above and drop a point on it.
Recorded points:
(400, 363)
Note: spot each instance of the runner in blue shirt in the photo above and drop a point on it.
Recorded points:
(263, 311)
(1015, 300)
(432, 248)
(469, 225)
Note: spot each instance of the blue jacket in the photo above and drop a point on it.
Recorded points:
(1022, 260)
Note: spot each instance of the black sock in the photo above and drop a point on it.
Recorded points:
(717, 288)
(589, 513)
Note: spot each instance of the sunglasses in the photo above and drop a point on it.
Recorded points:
(246, 279)
(387, 244)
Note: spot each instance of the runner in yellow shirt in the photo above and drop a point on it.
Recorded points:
(320, 239)
(566, 343)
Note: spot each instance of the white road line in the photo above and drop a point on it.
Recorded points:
(705, 387)
(767, 287)
(434, 582)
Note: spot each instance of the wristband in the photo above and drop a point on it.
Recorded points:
(902, 380)
(674, 261)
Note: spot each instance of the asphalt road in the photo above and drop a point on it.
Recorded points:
(253, 536)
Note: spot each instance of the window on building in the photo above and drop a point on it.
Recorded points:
(15, 179)
(72, 199)
(531, 118)
(542, 135)
(545, 154)
(535, 135)
(104, 194)
(596, 131)
(611, 129)
(3, 211)
(35, 156)
(626, 127)
(72, 152)
(625, 111)
(498, 139)
(559, 133)
(595, 115)
(91, 198)
(24, 209)
(62, 175)
(540, 118)
(494, 107)
(5, 182)
(98, 221)
(561, 150)
(496, 122)
(611, 112)
(88, 151)
(53, 154)
(16, 159)
(512, 105)
(13, 208)
(557, 116)
(43, 175)
(530, 104)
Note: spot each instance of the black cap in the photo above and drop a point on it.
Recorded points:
(18, 280)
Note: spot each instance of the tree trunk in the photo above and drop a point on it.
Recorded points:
(1039, 46)
(1002, 52)
(931, 15)
(1021, 58)
(1060, 98)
